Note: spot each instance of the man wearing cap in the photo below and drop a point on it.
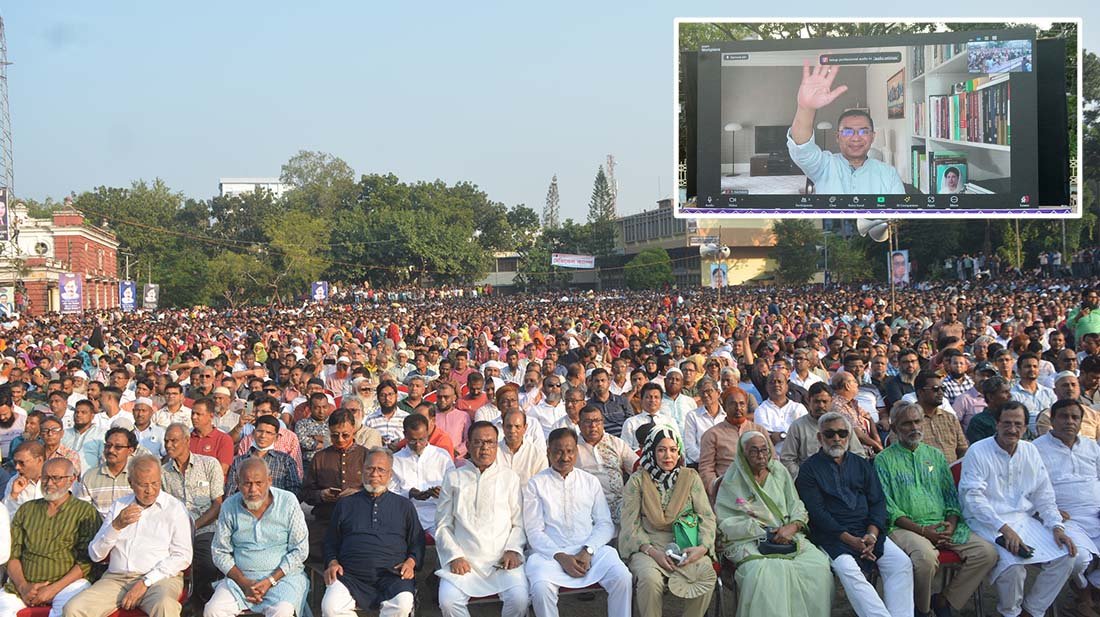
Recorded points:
(79, 389)
(971, 402)
(150, 436)
(402, 367)
(338, 378)
(674, 403)
(225, 419)
(1067, 387)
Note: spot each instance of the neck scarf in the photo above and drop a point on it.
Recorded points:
(665, 480)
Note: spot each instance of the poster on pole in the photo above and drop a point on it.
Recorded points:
(151, 298)
(72, 292)
(127, 296)
(567, 260)
(899, 268)
(719, 275)
(319, 291)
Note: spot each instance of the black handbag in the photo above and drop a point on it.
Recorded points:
(768, 546)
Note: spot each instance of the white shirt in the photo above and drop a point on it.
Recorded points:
(422, 473)
(227, 421)
(678, 408)
(622, 390)
(778, 419)
(478, 518)
(811, 379)
(1075, 477)
(30, 492)
(565, 422)
(525, 462)
(489, 413)
(104, 423)
(631, 424)
(546, 415)
(996, 488)
(164, 418)
(565, 514)
(695, 424)
(1036, 402)
(158, 545)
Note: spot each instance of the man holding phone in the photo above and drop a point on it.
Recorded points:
(418, 470)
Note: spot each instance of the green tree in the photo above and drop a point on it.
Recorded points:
(237, 278)
(650, 269)
(601, 207)
(847, 261)
(322, 183)
(795, 249)
(298, 251)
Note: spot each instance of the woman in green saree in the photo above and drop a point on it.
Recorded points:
(664, 503)
(757, 495)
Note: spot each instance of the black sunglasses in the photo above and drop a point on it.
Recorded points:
(840, 432)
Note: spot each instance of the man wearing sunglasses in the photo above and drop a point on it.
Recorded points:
(848, 519)
(850, 171)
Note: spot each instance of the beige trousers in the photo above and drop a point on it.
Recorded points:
(106, 594)
(978, 557)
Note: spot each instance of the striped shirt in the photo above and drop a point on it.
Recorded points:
(392, 428)
(48, 546)
(100, 488)
(64, 451)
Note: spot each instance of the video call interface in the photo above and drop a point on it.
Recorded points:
(945, 123)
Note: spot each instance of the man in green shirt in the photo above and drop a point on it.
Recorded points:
(1085, 319)
(924, 517)
(49, 561)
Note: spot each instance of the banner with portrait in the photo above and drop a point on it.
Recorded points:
(127, 296)
(71, 286)
(319, 291)
(151, 297)
(719, 275)
(898, 267)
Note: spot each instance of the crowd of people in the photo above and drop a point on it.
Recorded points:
(399, 445)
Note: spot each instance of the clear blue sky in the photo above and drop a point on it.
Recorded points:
(501, 94)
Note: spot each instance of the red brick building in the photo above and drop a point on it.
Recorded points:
(46, 248)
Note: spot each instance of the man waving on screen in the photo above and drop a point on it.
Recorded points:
(850, 171)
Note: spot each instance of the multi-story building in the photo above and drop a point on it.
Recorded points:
(42, 249)
(229, 187)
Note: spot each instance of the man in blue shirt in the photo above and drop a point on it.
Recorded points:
(847, 510)
(850, 171)
(373, 544)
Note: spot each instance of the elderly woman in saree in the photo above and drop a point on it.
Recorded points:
(665, 505)
(761, 522)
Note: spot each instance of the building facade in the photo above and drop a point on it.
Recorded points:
(42, 249)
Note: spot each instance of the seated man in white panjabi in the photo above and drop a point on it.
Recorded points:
(479, 529)
(569, 525)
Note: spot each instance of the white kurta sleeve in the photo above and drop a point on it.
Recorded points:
(603, 528)
(534, 521)
(445, 543)
(973, 484)
(1042, 495)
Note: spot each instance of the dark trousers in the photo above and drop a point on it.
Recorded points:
(203, 572)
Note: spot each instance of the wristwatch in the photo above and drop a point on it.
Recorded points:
(589, 550)
(271, 579)
(783, 435)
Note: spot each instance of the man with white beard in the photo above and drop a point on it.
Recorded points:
(261, 545)
(995, 507)
(370, 560)
(41, 571)
(479, 529)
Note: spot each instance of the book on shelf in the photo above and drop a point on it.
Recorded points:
(976, 113)
(920, 115)
(928, 169)
(917, 54)
(943, 53)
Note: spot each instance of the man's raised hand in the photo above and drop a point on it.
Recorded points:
(816, 90)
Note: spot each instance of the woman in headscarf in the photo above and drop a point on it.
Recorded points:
(757, 496)
(665, 503)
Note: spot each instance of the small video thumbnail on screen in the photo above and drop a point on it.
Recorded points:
(922, 123)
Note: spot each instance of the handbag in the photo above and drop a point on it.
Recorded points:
(685, 531)
(768, 545)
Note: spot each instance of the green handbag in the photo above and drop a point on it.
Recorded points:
(685, 531)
